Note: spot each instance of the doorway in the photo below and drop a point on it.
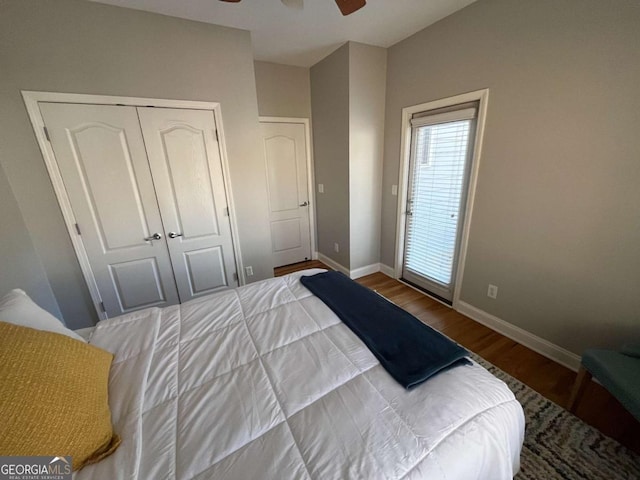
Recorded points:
(287, 149)
(441, 153)
(143, 190)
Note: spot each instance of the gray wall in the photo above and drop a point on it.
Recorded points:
(347, 92)
(283, 90)
(82, 47)
(330, 105)
(19, 263)
(367, 81)
(555, 224)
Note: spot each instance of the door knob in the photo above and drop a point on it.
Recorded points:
(155, 236)
(304, 204)
(174, 235)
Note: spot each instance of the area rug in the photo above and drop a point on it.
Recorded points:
(558, 445)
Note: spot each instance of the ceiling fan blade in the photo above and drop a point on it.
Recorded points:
(347, 7)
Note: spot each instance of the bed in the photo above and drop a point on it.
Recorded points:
(264, 381)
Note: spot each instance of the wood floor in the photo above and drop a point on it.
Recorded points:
(554, 381)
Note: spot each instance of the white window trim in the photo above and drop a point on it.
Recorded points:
(482, 96)
(310, 172)
(31, 99)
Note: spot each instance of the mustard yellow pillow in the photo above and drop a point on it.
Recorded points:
(54, 396)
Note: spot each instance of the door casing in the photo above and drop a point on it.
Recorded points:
(31, 99)
(481, 96)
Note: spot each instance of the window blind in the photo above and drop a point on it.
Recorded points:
(440, 151)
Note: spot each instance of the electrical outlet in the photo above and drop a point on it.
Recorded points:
(248, 271)
(492, 292)
(336, 247)
(321, 188)
(394, 190)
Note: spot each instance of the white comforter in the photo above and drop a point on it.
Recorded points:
(265, 382)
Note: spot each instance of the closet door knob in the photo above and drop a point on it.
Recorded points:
(174, 235)
(155, 236)
(304, 204)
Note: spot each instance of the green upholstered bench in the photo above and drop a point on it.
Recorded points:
(617, 371)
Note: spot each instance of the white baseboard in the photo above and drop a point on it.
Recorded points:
(387, 270)
(333, 264)
(366, 270)
(535, 343)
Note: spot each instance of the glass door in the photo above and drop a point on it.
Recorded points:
(441, 146)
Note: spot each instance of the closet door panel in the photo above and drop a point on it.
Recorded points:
(187, 172)
(101, 156)
(184, 153)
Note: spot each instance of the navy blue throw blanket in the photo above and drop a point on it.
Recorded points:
(409, 350)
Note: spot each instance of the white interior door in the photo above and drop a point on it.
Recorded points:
(286, 162)
(187, 172)
(102, 160)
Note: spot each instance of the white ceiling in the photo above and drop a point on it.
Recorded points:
(304, 37)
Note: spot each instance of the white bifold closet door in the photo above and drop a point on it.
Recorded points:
(185, 162)
(147, 193)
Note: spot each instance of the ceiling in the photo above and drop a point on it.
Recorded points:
(304, 37)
